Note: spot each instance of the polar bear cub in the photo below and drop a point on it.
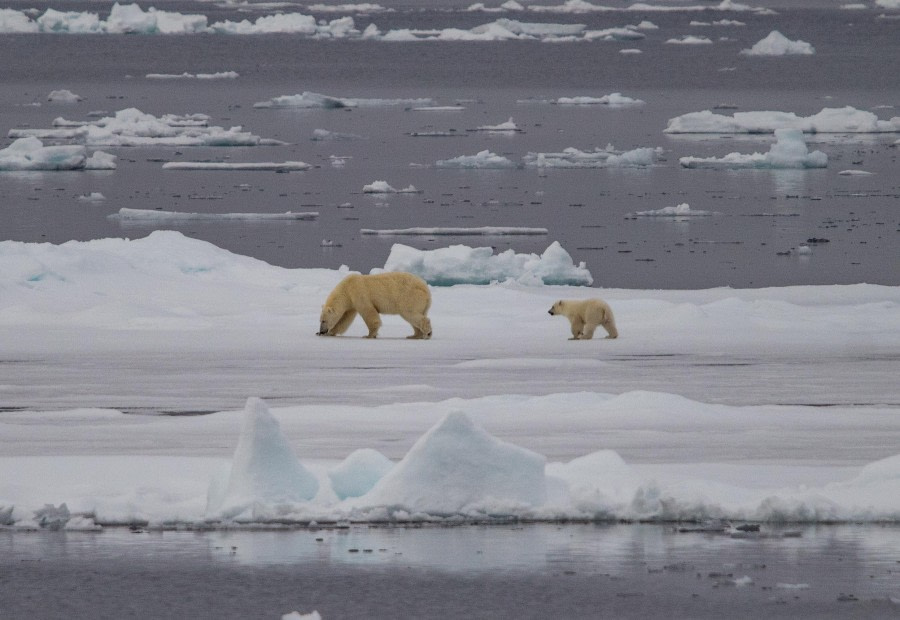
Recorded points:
(393, 292)
(585, 315)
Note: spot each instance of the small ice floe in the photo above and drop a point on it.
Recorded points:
(598, 158)
(626, 33)
(613, 100)
(630, 51)
(500, 30)
(220, 75)
(338, 161)
(323, 135)
(31, 154)
(438, 108)
(460, 264)
(63, 96)
(792, 586)
(682, 210)
(457, 231)
(776, 44)
(296, 615)
(52, 517)
(328, 243)
(450, 133)
(284, 166)
(788, 152)
(92, 197)
(507, 127)
(690, 39)
(152, 215)
(829, 120)
(481, 160)
(855, 173)
(308, 99)
(362, 7)
(382, 187)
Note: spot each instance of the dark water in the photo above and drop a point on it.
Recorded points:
(541, 571)
(760, 213)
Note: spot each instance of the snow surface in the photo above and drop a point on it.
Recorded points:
(31, 154)
(788, 152)
(631, 455)
(776, 44)
(481, 160)
(383, 187)
(830, 120)
(460, 264)
(154, 215)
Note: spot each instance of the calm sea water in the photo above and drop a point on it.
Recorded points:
(760, 214)
(538, 571)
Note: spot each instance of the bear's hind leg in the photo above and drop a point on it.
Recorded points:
(610, 327)
(588, 331)
(420, 324)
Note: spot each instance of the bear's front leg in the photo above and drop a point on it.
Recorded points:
(577, 325)
(372, 320)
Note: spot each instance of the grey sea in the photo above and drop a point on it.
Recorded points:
(849, 223)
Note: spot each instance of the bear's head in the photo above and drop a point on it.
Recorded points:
(557, 308)
(328, 319)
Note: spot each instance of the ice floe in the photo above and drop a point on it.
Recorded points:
(308, 99)
(829, 120)
(690, 39)
(614, 100)
(219, 75)
(383, 187)
(63, 96)
(788, 152)
(582, 6)
(461, 264)
(283, 166)
(481, 160)
(29, 153)
(153, 215)
(455, 231)
(506, 127)
(131, 127)
(92, 197)
(681, 210)
(598, 158)
(855, 173)
(776, 44)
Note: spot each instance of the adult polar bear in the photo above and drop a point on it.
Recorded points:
(369, 296)
(585, 315)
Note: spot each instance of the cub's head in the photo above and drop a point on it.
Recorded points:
(327, 320)
(557, 308)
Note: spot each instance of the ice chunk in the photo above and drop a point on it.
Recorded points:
(63, 96)
(16, 22)
(264, 469)
(482, 159)
(382, 187)
(92, 197)
(296, 615)
(507, 127)
(690, 39)
(776, 44)
(31, 154)
(612, 100)
(788, 152)
(152, 215)
(308, 99)
(219, 75)
(100, 161)
(829, 120)
(456, 231)
(460, 264)
(598, 158)
(458, 468)
(359, 472)
(682, 210)
(283, 166)
(131, 19)
(52, 517)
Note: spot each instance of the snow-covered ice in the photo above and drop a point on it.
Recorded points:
(776, 44)
(598, 158)
(96, 306)
(482, 160)
(830, 120)
(460, 264)
(788, 152)
(31, 154)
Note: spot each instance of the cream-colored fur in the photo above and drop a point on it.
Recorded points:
(371, 295)
(585, 315)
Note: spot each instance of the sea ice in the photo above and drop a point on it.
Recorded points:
(92, 197)
(613, 99)
(382, 187)
(776, 44)
(283, 166)
(598, 158)
(460, 264)
(481, 160)
(264, 469)
(63, 96)
(682, 210)
(153, 215)
(455, 231)
(829, 120)
(788, 152)
(359, 472)
(308, 99)
(507, 127)
(219, 75)
(690, 39)
(457, 468)
(31, 154)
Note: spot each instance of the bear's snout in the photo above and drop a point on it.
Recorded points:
(323, 329)
(550, 311)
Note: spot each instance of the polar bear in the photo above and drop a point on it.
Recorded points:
(585, 315)
(371, 295)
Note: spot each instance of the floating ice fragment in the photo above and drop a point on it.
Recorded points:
(382, 187)
(776, 44)
(221, 75)
(690, 39)
(283, 166)
(481, 160)
(612, 100)
(855, 173)
(308, 99)
(460, 264)
(152, 215)
(829, 120)
(63, 96)
(507, 127)
(598, 158)
(456, 231)
(52, 517)
(682, 210)
(788, 152)
(92, 197)
(31, 154)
